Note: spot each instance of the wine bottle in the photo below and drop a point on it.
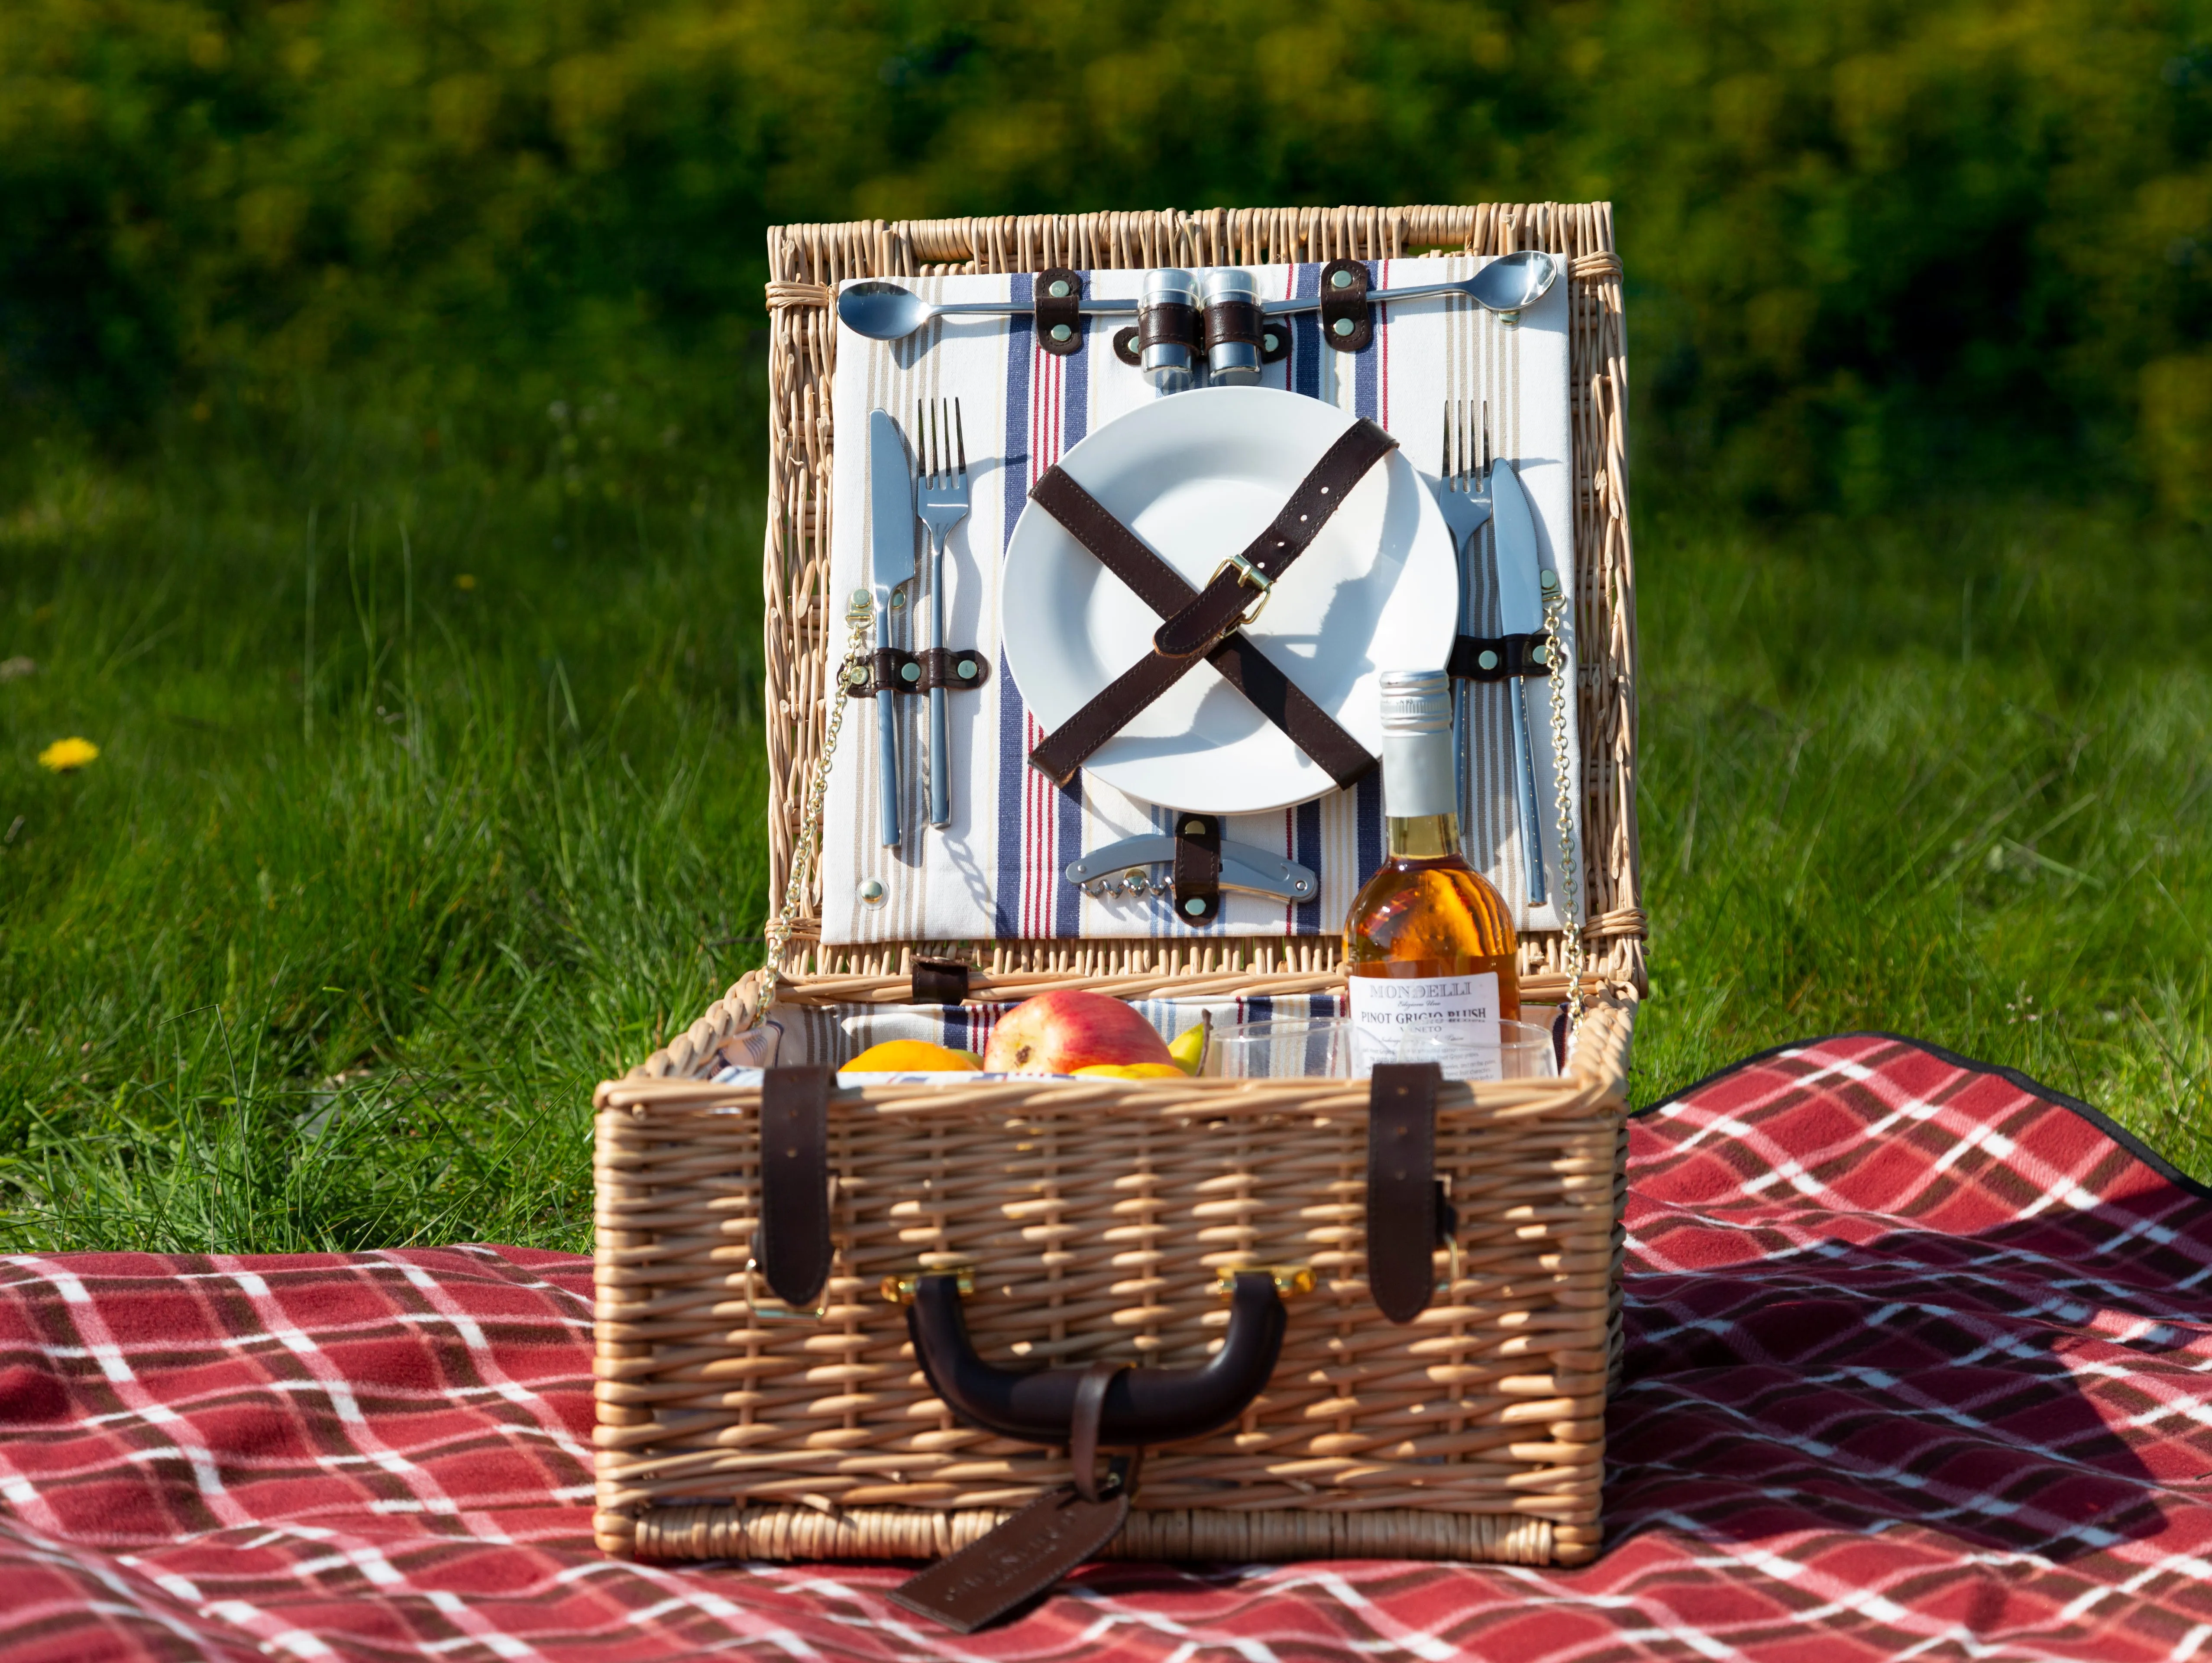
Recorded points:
(1429, 946)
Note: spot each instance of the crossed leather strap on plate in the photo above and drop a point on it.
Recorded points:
(1205, 625)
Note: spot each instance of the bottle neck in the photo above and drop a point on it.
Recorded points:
(1423, 836)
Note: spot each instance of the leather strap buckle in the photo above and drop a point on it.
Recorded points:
(1251, 577)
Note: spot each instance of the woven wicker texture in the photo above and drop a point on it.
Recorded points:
(1097, 1216)
(807, 261)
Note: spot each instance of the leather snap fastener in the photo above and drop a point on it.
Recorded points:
(1340, 280)
(872, 892)
(1345, 325)
(1537, 655)
(1488, 660)
(1270, 341)
(967, 669)
(1059, 291)
(1548, 578)
(1193, 905)
(1194, 828)
(1062, 332)
(909, 672)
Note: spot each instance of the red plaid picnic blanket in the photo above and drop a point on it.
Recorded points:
(1917, 1366)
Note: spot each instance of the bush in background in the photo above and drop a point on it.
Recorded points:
(1873, 244)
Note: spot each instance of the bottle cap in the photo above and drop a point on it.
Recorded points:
(1416, 701)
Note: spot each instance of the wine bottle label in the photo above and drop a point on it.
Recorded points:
(1451, 1021)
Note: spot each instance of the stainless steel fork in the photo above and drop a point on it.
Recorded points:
(1463, 494)
(940, 498)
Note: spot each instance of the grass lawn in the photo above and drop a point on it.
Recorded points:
(430, 793)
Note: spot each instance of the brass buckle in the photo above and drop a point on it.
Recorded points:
(773, 1309)
(900, 1286)
(1248, 576)
(1289, 1279)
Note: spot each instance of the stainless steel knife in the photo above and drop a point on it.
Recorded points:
(1521, 589)
(890, 566)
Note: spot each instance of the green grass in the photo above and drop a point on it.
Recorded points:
(373, 879)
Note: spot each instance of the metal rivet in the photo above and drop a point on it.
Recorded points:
(1340, 280)
(909, 672)
(967, 669)
(1345, 325)
(1536, 654)
(898, 600)
(861, 601)
(872, 891)
(1488, 660)
(1549, 578)
(1268, 341)
(1324, 490)
(856, 675)
(1061, 332)
(1059, 289)
(1193, 828)
(1194, 906)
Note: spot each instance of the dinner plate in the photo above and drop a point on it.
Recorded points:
(1198, 475)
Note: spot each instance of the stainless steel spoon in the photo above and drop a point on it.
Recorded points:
(885, 310)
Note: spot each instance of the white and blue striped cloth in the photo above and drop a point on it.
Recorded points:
(997, 871)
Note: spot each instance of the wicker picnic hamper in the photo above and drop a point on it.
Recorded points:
(1093, 1219)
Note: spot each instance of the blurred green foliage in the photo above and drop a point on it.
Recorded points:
(1872, 244)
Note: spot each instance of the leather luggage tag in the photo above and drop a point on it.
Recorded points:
(1017, 1560)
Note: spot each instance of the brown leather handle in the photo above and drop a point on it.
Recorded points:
(1139, 1406)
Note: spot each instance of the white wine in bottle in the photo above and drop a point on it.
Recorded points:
(1428, 944)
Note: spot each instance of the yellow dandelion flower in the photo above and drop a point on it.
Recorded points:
(465, 581)
(67, 755)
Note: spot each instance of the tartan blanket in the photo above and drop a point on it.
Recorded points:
(1918, 1365)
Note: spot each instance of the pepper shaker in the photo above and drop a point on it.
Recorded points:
(1168, 337)
(1232, 327)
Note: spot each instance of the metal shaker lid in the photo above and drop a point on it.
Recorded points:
(1230, 282)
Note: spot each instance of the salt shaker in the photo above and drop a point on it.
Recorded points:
(1232, 327)
(1168, 336)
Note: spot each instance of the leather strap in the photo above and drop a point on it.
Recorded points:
(1166, 321)
(1198, 867)
(1346, 303)
(939, 980)
(1241, 663)
(1060, 317)
(1223, 600)
(1024, 1556)
(794, 1182)
(1200, 625)
(1401, 1187)
(1232, 320)
(1082, 1425)
(955, 668)
(1495, 658)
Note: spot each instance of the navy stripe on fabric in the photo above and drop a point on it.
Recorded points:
(1066, 909)
(1013, 750)
(1304, 377)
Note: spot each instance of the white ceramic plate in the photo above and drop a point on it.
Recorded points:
(1198, 475)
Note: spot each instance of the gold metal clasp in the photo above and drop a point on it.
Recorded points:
(1289, 1279)
(900, 1286)
(772, 1309)
(1249, 576)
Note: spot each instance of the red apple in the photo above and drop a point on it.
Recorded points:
(1058, 1033)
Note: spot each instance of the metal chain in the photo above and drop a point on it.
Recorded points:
(809, 827)
(1569, 866)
